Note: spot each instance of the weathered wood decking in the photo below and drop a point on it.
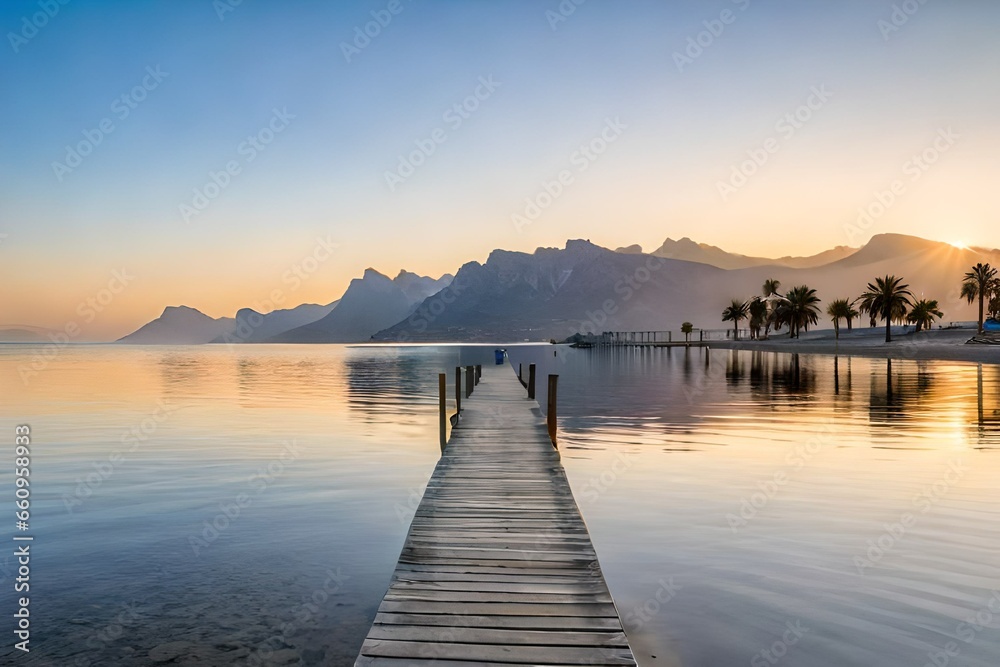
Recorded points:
(498, 567)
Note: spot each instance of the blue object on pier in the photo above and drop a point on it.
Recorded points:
(499, 355)
(991, 325)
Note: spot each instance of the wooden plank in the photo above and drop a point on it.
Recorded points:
(462, 635)
(553, 624)
(493, 653)
(498, 567)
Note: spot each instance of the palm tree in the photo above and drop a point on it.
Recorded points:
(851, 315)
(924, 313)
(839, 308)
(979, 283)
(735, 312)
(770, 289)
(798, 310)
(887, 298)
(686, 329)
(757, 310)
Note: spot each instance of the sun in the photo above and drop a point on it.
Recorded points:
(961, 245)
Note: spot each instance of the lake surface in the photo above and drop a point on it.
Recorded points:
(248, 505)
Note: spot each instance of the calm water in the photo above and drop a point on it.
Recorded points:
(826, 512)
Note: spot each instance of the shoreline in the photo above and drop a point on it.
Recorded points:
(937, 345)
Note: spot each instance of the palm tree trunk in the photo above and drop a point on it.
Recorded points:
(849, 323)
(736, 329)
(836, 328)
(981, 310)
(888, 330)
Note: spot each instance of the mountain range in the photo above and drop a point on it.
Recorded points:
(370, 304)
(556, 292)
(703, 253)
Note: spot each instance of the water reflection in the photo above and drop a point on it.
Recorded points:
(656, 392)
(987, 401)
(701, 431)
(854, 441)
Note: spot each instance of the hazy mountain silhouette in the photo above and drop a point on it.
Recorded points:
(634, 249)
(18, 335)
(370, 304)
(254, 327)
(556, 292)
(180, 325)
(691, 251)
(553, 293)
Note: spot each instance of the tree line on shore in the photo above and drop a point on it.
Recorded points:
(887, 298)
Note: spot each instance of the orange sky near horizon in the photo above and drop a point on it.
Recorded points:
(768, 143)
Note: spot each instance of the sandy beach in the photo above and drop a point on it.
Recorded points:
(941, 344)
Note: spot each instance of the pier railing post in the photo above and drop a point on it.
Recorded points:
(531, 381)
(479, 373)
(519, 374)
(470, 381)
(458, 389)
(442, 409)
(551, 413)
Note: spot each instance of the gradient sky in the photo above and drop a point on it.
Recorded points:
(323, 176)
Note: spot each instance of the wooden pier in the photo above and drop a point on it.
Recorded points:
(498, 567)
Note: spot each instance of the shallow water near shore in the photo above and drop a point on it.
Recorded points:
(210, 505)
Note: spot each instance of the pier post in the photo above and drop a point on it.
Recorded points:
(551, 412)
(458, 389)
(479, 373)
(442, 409)
(470, 380)
(531, 381)
(519, 374)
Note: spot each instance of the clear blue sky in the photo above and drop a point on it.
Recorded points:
(324, 173)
